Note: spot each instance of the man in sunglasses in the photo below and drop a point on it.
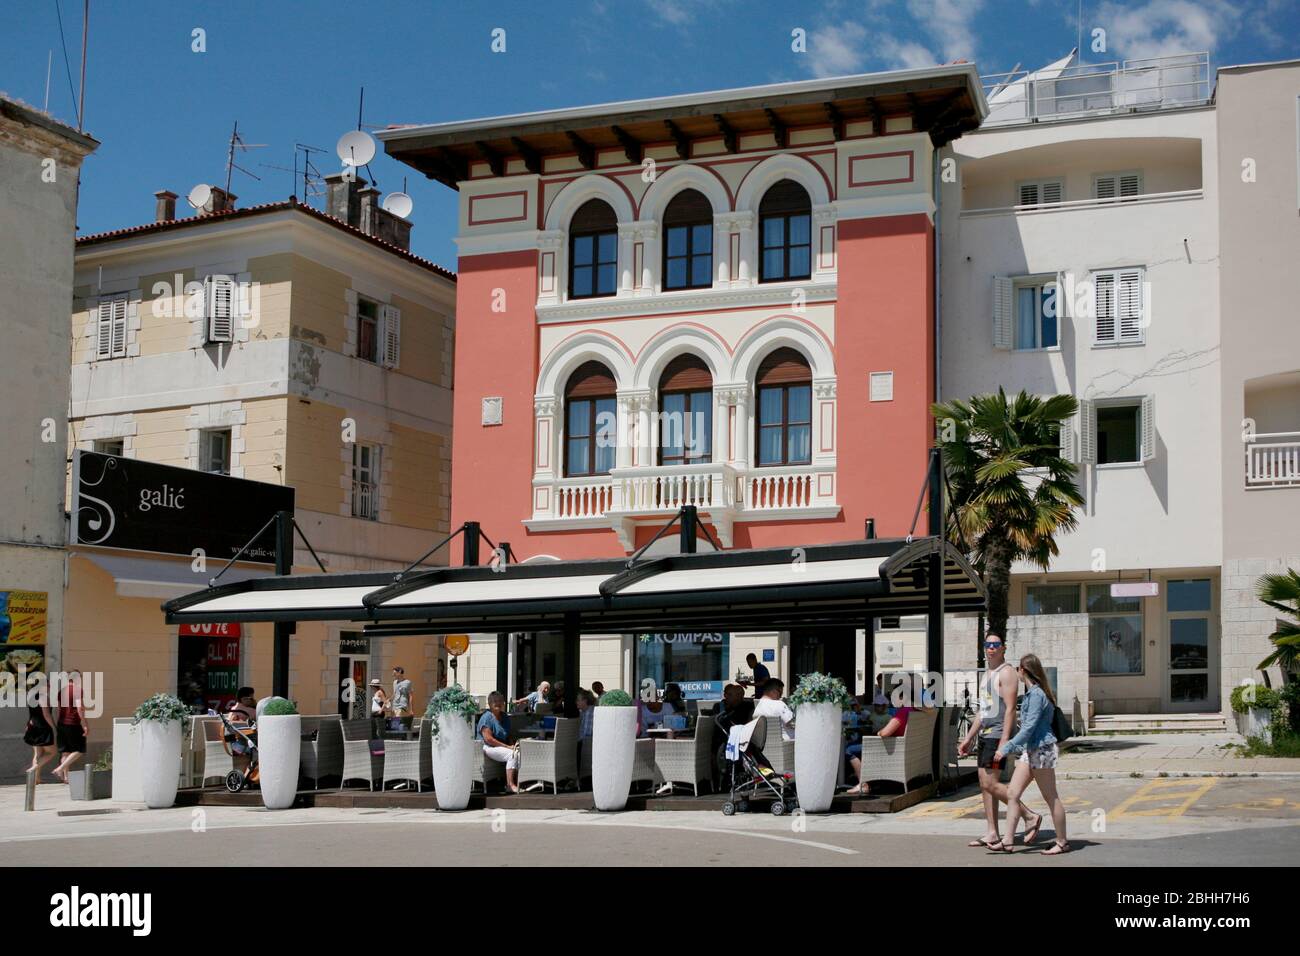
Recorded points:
(994, 725)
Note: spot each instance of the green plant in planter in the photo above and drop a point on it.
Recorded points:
(454, 701)
(279, 707)
(161, 707)
(1265, 698)
(820, 689)
(105, 761)
(615, 698)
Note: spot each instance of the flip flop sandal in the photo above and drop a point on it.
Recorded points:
(999, 846)
(1057, 849)
(1031, 833)
(986, 844)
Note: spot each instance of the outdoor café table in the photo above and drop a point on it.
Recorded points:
(668, 733)
(404, 734)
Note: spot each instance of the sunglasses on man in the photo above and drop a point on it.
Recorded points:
(992, 645)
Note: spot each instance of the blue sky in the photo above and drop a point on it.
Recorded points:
(291, 71)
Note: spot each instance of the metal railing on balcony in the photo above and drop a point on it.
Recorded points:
(1273, 460)
(1150, 83)
(365, 500)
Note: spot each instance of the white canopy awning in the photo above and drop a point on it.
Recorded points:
(137, 575)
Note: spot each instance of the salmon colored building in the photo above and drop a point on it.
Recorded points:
(724, 300)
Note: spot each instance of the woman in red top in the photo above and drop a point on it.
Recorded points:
(71, 729)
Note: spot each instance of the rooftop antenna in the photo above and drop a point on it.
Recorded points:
(49, 65)
(312, 181)
(85, 28)
(357, 148)
(399, 204)
(1078, 44)
(237, 142)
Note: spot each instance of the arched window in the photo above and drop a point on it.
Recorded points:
(785, 232)
(688, 242)
(784, 423)
(593, 251)
(685, 412)
(591, 423)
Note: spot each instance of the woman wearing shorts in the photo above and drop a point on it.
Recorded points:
(71, 729)
(1038, 752)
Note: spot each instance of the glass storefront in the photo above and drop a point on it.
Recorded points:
(698, 663)
(207, 666)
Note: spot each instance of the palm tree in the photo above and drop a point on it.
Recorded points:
(1011, 490)
(1282, 591)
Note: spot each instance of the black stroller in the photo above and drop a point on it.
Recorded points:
(751, 773)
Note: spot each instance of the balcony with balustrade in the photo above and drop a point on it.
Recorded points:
(647, 494)
(1273, 460)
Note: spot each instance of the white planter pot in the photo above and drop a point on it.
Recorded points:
(454, 751)
(1256, 722)
(279, 752)
(817, 747)
(613, 748)
(160, 762)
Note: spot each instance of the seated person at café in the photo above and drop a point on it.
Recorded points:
(880, 715)
(586, 702)
(493, 731)
(770, 704)
(540, 696)
(895, 727)
(245, 704)
(597, 689)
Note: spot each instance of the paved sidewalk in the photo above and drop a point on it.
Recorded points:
(1173, 754)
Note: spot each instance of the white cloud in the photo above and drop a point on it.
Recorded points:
(951, 23)
(898, 54)
(1166, 27)
(837, 50)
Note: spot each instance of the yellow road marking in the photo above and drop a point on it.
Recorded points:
(1264, 803)
(1187, 791)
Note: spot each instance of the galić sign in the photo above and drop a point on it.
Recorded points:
(143, 506)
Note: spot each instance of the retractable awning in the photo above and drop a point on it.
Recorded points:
(775, 588)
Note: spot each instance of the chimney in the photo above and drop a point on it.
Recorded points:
(341, 198)
(357, 204)
(165, 208)
(221, 201)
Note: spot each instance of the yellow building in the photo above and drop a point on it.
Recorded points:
(283, 345)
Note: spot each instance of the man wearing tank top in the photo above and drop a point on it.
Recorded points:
(993, 726)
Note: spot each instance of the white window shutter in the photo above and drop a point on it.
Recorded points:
(1003, 306)
(118, 332)
(1130, 306)
(1148, 427)
(219, 296)
(1103, 290)
(391, 341)
(1027, 194)
(1105, 187)
(1069, 442)
(103, 325)
(1130, 184)
(1051, 191)
(1087, 432)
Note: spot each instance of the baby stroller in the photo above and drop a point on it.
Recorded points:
(751, 773)
(239, 744)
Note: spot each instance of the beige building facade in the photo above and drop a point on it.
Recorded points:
(39, 164)
(324, 365)
(1259, 217)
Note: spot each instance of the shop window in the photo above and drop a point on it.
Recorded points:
(785, 233)
(697, 663)
(1114, 632)
(685, 412)
(688, 242)
(784, 421)
(590, 416)
(1052, 599)
(593, 251)
(207, 666)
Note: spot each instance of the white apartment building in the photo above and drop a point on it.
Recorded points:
(1095, 187)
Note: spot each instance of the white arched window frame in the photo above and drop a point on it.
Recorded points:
(553, 244)
(662, 191)
(750, 196)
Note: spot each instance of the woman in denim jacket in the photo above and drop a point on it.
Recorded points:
(1038, 752)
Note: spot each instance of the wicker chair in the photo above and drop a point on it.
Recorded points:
(687, 761)
(409, 759)
(551, 761)
(643, 764)
(486, 770)
(777, 749)
(359, 763)
(322, 751)
(901, 759)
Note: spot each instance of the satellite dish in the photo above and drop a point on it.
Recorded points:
(199, 196)
(355, 148)
(399, 204)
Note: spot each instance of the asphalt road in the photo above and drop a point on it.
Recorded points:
(1162, 822)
